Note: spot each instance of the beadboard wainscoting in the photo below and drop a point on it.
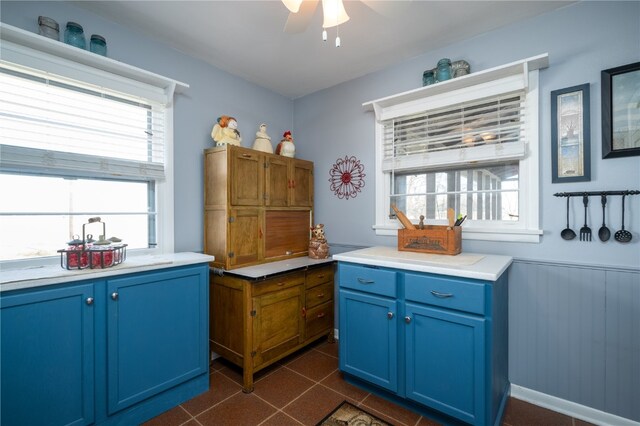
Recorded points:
(574, 334)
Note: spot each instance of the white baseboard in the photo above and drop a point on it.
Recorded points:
(569, 408)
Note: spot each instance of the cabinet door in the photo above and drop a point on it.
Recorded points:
(277, 323)
(247, 174)
(47, 352)
(157, 333)
(302, 185)
(286, 233)
(245, 237)
(445, 361)
(278, 181)
(368, 338)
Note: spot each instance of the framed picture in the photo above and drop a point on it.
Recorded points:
(621, 111)
(570, 135)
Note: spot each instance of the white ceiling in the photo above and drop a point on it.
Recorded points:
(246, 38)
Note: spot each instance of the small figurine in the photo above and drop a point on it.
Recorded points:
(263, 141)
(225, 131)
(286, 147)
(318, 247)
(421, 224)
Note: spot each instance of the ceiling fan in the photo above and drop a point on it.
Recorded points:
(334, 13)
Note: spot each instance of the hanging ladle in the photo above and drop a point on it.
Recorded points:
(568, 234)
(622, 236)
(604, 233)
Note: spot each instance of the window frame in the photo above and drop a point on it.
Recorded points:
(31, 50)
(527, 229)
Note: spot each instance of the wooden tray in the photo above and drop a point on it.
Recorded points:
(432, 239)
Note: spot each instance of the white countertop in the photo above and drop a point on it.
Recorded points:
(15, 279)
(271, 268)
(468, 265)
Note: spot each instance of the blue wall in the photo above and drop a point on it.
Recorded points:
(581, 39)
(212, 93)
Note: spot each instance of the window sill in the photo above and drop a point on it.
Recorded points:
(469, 233)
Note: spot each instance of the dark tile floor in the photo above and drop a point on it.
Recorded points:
(302, 389)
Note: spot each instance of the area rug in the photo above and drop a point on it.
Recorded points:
(347, 414)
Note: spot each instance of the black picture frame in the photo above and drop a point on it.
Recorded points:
(570, 135)
(620, 108)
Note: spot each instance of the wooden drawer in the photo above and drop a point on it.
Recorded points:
(319, 320)
(278, 283)
(371, 280)
(319, 276)
(451, 293)
(319, 294)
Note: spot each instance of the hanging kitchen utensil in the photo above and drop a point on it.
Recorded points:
(585, 231)
(622, 236)
(604, 233)
(567, 233)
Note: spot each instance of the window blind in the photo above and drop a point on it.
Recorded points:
(490, 128)
(54, 125)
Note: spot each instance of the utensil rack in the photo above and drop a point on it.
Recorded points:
(598, 193)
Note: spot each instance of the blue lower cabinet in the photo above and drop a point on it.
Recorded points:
(156, 338)
(368, 324)
(46, 357)
(445, 361)
(116, 351)
(436, 344)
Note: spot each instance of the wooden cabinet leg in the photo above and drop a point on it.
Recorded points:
(331, 337)
(247, 378)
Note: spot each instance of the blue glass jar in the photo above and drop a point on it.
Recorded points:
(98, 45)
(443, 71)
(428, 78)
(74, 35)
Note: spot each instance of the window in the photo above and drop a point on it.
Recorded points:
(79, 142)
(469, 144)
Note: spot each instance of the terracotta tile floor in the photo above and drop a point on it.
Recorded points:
(302, 389)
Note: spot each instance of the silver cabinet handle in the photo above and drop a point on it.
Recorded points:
(407, 320)
(114, 295)
(390, 315)
(363, 281)
(89, 301)
(441, 295)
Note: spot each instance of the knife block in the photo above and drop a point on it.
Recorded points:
(432, 239)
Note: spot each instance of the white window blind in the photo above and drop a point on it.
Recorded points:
(491, 128)
(57, 126)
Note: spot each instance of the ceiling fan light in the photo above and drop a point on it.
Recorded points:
(292, 5)
(334, 13)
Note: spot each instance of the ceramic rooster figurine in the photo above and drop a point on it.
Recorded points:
(318, 247)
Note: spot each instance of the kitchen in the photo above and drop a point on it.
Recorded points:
(573, 304)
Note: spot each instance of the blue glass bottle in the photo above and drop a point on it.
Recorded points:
(74, 35)
(444, 69)
(98, 45)
(428, 78)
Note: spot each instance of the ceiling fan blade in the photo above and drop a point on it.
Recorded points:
(388, 8)
(298, 22)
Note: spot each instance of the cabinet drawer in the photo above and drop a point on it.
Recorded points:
(376, 281)
(319, 276)
(278, 283)
(319, 319)
(319, 294)
(449, 293)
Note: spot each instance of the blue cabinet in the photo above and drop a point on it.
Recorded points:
(114, 351)
(156, 338)
(46, 361)
(433, 341)
(368, 324)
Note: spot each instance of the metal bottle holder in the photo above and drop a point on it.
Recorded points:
(88, 253)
